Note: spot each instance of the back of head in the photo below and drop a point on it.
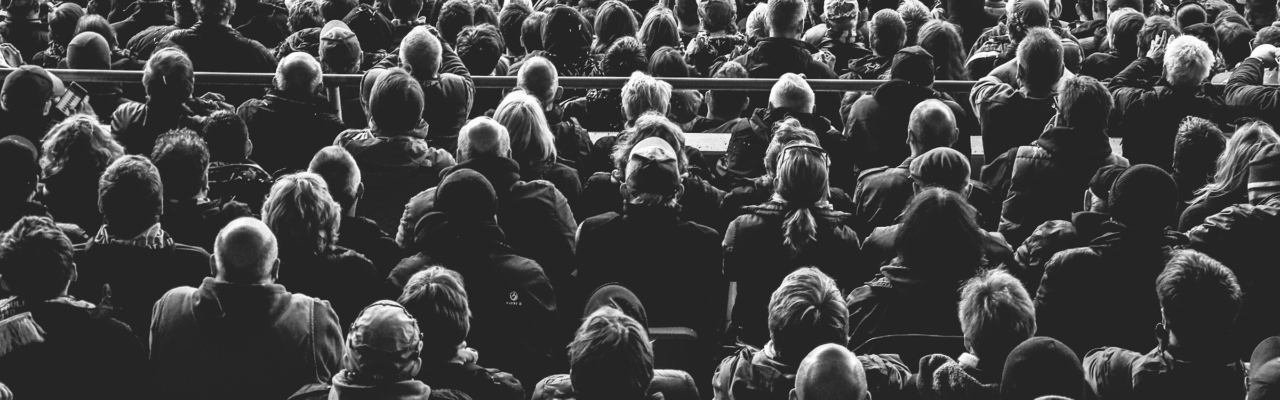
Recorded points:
(1152, 28)
(383, 346)
(19, 158)
(305, 14)
(718, 15)
(531, 32)
(485, 14)
(940, 236)
(245, 251)
(63, 20)
(1236, 40)
(996, 314)
(438, 299)
(539, 78)
(215, 11)
(792, 92)
(785, 133)
(372, 29)
(532, 143)
(1187, 61)
(420, 53)
(36, 259)
(1196, 150)
(831, 372)
(1040, 62)
(298, 73)
(785, 18)
(169, 76)
(1040, 368)
(227, 137)
(565, 32)
(913, 65)
(942, 40)
(658, 30)
(1123, 27)
(1113, 5)
(728, 102)
(687, 15)
(396, 102)
(78, 143)
(613, 21)
(625, 57)
(340, 173)
(1190, 13)
(340, 51)
(454, 15)
(480, 47)
(653, 174)
(1024, 15)
(888, 32)
(510, 19)
(805, 312)
(1269, 35)
(932, 125)
(1205, 32)
(758, 21)
(1084, 103)
(802, 182)
(1233, 165)
(88, 50)
(610, 357)
(649, 125)
(97, 24)
(336, 10)
(183, 161)
(914, 14)
(302, 214)
(1144, 198)
(643, 94)
(941, 167)
(28, 89)
(483, 137)
(130, 195)
(667, 62)
(1199, 298)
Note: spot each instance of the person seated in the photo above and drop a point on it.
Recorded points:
(515, 313)
(1048, 239)
(1042, 368)
(18, 185)
(169, 80)
(805, 312)
(241, 326)
(610, 357)
(382, 356)
(49, 334)
(1196, 152)
(1123, 27)
(232, 175)
(480, 47)
(357, 233)
(838, 34)
(887, 35)
(1245, 91)
(996, 316)
(90, 51)
(1134, 245)
(27, 100)
(1012, 113)
(451, 18)
(62, 20)
(723, 106)
(1199, 299)
(539, 78)
(70, 174)
(448, 92)
(533, 145)
(782, 52)
(998, 45)
(668, 62)
(791, 97)
(215, 45)
(602, 109)
(192, 217)
(146, 14)
(717, 40)
(510, 19)
(565, 36)
(293, 120)
(23, 28)
(830, 372)
(1236, 41)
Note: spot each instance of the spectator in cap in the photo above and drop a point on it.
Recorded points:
(1245, 91)
(513, 303)
(791, 98)
(533, 146)
(1199, 299)
(1012, 113)
(74, 155)
(394, 157)
(1151, 115)
(887, 34)
(62, 27)
(724, 107)
(120, 58)
(1195, 154)
(838, 33)
(830, 371)
(1229, 184)
(215, 46)
(27, 100)
(718, 39)
(50, 335)
(939, 245)
(360, 234)
(447, 89)
(1134, 245)
(340, 51)
(89, 50)
(232, 175)
(190, 215)
(21, 159)
(24, 27)
(642, 94)
(293, 120)
(480, 47)
(146, 14)
(436, 297)
(539, 78)
(1041, 367)
(381, 356)
(237, 335)
(1122, 32)
(510, 19)
(940, 167)
(783, 52)
(169, 81)
(131, 253)
(600, 109)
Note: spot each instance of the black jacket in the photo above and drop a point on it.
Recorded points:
(363, 236)
(1104, 66)
(393, 170)
(1009, 118)
(448, 98)
(1246, 94)
(773, 57)
(883, 193)
(878, 251)
(749, 140)
(600, 110)
(287, 131)
(700, 203)
(219, 48)
(197, 222)
(85, 353)
(1242, 237)
(137, 125)
(903, 301)
(72, 197)
(1150, 115)
(877, 124)
(145, 15)
(343, 277)
(758, 191)
(573, 144)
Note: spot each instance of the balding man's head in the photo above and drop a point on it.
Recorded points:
(932, 125)
(245, 252)
(298, 73)
(830, 371)
(483, 137)
(793, 92)
(538, 77)
(340, 172)
(420, 53)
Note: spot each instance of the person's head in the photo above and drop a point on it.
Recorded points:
(658, 30)
(686, 13)
(1042, 368)
(1199, 299)
(830, 372)
(1260, 13)
(19, 159)
(227, 138)
(614, 20)
(336, 10)
(454, 15)
(667, 62)
(305, 14)
(888, 32)
(538, 78)
(727, 104)
(245, 251)
(942, 40)
(805, 312)
(1154, 27)
(299, 74)
(420, 52)
(340, 51)
(531, 32)
(28, 89)
(97, 24)
(88, 50)
(942, 167)
(652, 175)
(339, 170)
(37, 260)
(383, 346)
(1144, 198)
(1190, 13)
(1269, 35)
(1110, 6)
(913, 65)
(480, 47)
(1122, 31)
(914, 14)
(610, 357)
(785, 18)
(407, 10)
(215, 11)
(302, 214)
(395, 104)
(792, 92)
(932, 125)
(801, 182)
(1040, 62)
(532, 143)
(940, 236)
(437, 298)
(63, 20)
(1084, 103)
(1187, 61)
(625, 57)
(565, 33)
(1196, 150)
(510, 19)
(719, 16)
(130, 195)
(78, 143)
(649, 125)
(183, 160)
(758, 21)
(366, 88)
(1206, 33)
(483, 137)
(184, 13)
(1229, 15)
(485, 14)
(1232, 169)
(1235, 40)
(996, 314)
(1025, 15)
(169, 76)
(643, 94)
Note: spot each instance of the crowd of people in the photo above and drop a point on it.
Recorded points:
(161, 242)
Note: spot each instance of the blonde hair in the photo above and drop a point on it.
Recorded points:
(996, 314)
(801, 183)
(302, 214)
(1233, 163)
(78, 142)
(531, 140)
(1187, 61)
(643, 94)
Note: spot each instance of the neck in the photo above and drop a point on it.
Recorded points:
(728, 116)
(784, 35)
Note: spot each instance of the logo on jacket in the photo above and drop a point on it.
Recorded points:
(514, 296)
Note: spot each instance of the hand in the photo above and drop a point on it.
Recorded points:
(10, 55)
(1266, 53)
(1157, 47)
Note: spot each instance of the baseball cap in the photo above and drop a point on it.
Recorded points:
(653, 168)
(837, 9)
(943, 167)
(28, 84)
(339, 46)
(384, 343)
(913, 64)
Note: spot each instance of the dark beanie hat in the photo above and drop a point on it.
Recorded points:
(88, 50)
(564, 31)
(1102, 181)
(466, 195)
(1205, 32)
(1042, 366)
(1144, 197)
(1264, 170)
(28, 84)
(620, 298)
(20, 163)
(1264, 370)
(913, 64)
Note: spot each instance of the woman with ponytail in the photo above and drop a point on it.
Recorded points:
(796, 228)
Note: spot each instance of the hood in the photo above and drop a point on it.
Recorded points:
(403, 390)
(819, 125)
(899, 94)
(394, 151)
(502, 172)
(231, 312)
(764, 375)
(775, 56)
(1075, 142)
(290, 103)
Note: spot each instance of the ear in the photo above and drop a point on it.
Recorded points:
(75, 273)
(559, 92)
(792, 395)
(618, 177)
(359, 191)
(679, 191)
(213, 265)
(275, 270)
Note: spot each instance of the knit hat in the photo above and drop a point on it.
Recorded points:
(1102, 180)
(465, 205)
(371, 28)
(1042, 366)
(718, 15)
(837, 9)
(383, 344)
(620, 298)
(1205, 32)
(565, 32)
(28, 85)
(88, 50)
(942, 166)
(1264, 370)
(19, 159)
(653, 168)
(913, 64)
(1264, 171)
(1048, 239)
(339, 47)
(1144, 197)
(467, 196)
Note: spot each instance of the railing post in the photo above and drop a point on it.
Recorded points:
(335, 99)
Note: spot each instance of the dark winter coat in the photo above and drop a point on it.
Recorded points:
(287, 130)
(1150, 115)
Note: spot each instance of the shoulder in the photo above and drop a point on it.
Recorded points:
(554, 387)
(879, 173)
(183, 251)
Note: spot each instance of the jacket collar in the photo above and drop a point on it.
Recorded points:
(776, 208)
(899, 91)
(772, 115)
(153, 238)
(234, 311)
(1072, 141)
(403, 390)
(1117, 234)
(316, 104)
(502, 172)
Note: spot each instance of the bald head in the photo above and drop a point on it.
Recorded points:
(830, 371)
(932, 125)
(483, 137)
(538, 77)
(298, 73)
(245, 252)
(420, 53)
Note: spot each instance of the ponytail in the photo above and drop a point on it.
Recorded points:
(799, 229)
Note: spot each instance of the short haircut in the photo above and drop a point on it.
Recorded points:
(649, 125)
(183, 161)
(420, 52)
(298, 72)
(532, 143)
(36, 259)
(437, 298)
(996, 314)
(99, 25)
(302, 214)
(758, 21)
(1187, 61)
(728, 101)
(483, 137)
(395, 84)
(1191, 13)
(531, 31)
(1234, 41)
(538, 77)
(130, 194)
(214, 11)
(1113, 5)
(805, 312)
(658, 30)
(932, 124)
(336, 9)
(245, 251)
(1269, 35)
(1199, 297)
(667, 62)
(484, 15)
(625, 57)
(642, 94)
(888, 32)
(340, 172)
(305, 14)
(510, 20)
(914, 14)
(793, 92)
(62, 22)
(1123, 27)
(1040, 58)
(480, 47)
(610, 357)
(406, 9)
(1152, 28)
(1083, 102)
(786, 15)
(227, 137)
(78, 143)
(455, 15)
(1196, 150)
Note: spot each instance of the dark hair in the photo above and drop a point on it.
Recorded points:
(1234, 42)
(1196, 151)
(1040, 58)
(130, 195)
(63, 22)
(625, 56)
(214, 11)
(686, 12)
(1269, 35)
(658, 30)
(728, 98)
(667, 62)
(1260, 13)
(227, 137)
(406, 9)
(305, 14)
(614, 20)
(183, 161)
(510, 20)
(915, 15)
(805, 312)
(36, 258)
(332, 10)
(942, 40)
(1199, 298)
(1191, 13)
(940, 236)
(398, 85)
(485, 14)
(1152, 28)
(531, 31)
(1083, 102)
(480, 47)
(455, 15)
(610, 357)
(437, 298)
(1230, 16)
(99, 25)
(1125, 29)
(889, 32)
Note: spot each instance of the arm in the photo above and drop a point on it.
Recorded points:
(326, 341)
(1107, 371)
(982, 93)
(1245, 89)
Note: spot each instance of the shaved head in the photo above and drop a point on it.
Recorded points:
(483, 137)
(830, 372)
(245, 252)
(420, 53)
(538, 77)
(298, 72)
(932, 125)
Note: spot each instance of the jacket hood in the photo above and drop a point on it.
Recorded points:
(899, 93)
(231, 312)
(403, 390)
(778, 55)
(502, 172)
(283, 102)
(1075, 142)
(394, 151)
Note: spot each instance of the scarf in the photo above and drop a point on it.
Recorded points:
(153, 238)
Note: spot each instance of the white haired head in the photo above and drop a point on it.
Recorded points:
(1187, 61)
(792, 91)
